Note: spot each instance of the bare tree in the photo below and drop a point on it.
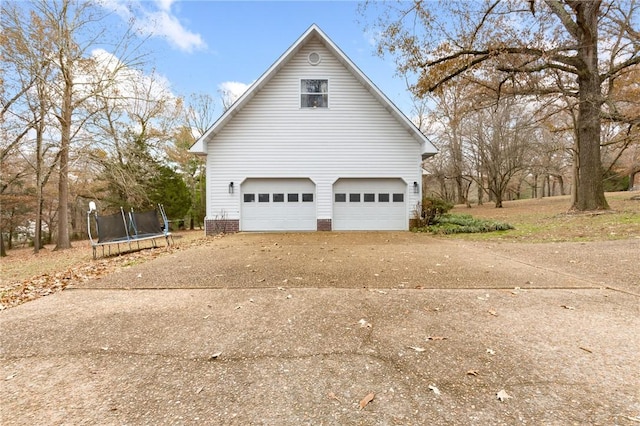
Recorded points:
(448, 119)
(501, 137)
(74, 27)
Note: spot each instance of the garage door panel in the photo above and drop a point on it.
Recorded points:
(278, 205)
(369, 204)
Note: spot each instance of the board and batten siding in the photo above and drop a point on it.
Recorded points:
(273, 137)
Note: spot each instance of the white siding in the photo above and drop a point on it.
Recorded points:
(273, 137)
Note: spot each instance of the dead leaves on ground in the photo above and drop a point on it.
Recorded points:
(16, 293)
(436, 338)
(366, 400)
(502, 395)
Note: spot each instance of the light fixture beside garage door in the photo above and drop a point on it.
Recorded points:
(230, 187)
(416, 188)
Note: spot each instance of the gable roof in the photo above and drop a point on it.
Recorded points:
(200, 146)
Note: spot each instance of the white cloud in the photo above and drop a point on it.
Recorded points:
(372, 37)
(131, 86)
(155, 19)
(231, 91)
(165, 4)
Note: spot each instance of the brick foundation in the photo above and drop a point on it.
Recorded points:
(221, 226)
(324, 225)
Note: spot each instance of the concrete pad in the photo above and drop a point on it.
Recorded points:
(311, 355)
(299, 328)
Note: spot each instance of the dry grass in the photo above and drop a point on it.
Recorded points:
(548, 220)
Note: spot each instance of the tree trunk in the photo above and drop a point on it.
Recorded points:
(37, 238)
(498, 200)
(3, 251)
(590, 189)
(63, 241)
(561, 183)
(632, 179)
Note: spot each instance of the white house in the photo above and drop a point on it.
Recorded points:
(312, 145)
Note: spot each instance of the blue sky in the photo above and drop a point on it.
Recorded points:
(199, 45)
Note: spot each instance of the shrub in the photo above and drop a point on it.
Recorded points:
(462, 224)
(433, 209)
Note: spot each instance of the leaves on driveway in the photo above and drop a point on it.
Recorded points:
(363, 323)
(366, 400)
(436, 338)
(503, 395)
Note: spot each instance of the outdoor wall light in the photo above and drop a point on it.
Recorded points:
(416, 188)
(230, 187)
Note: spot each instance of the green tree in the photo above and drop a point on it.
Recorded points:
(168, 188)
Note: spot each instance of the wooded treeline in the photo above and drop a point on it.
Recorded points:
(82, 120)
(523, 97)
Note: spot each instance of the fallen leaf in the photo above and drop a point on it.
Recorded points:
(436, 338)
(417, 348)
(215, 356)
(472, 373)
(364, 323)
(491, 351)
(366, 400)
(492, 312)
(200, 389)
(434, 389)
(289, 296)
(502, 395)
(333, 396)
(571, 308)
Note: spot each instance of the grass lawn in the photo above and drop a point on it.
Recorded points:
(548, 220)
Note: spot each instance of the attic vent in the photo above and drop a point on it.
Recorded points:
(314, 58)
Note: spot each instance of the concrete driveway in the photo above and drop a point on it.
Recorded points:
(303, 329)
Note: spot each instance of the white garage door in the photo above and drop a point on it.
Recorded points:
(369, 204)
(278, 205)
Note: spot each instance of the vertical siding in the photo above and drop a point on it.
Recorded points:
(273, 137)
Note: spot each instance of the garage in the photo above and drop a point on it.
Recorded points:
(278, 205)
(370, 204)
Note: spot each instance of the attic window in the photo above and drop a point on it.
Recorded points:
(314, 93)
